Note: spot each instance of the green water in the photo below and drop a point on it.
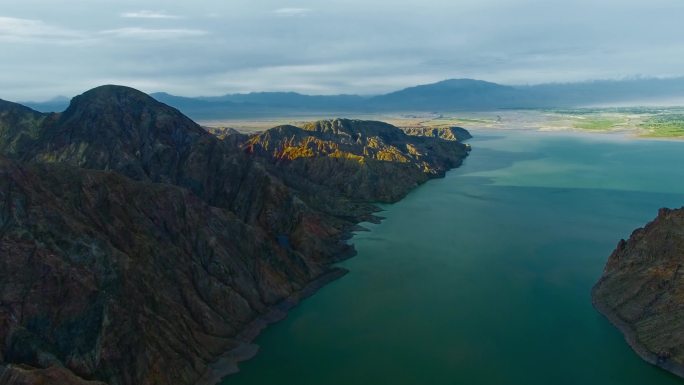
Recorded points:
(483, 277)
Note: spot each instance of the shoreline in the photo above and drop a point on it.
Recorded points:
(227, 363)
(543, 120)
(632, 339)
(622, 134)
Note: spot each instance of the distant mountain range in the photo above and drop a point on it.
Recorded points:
(444, 96)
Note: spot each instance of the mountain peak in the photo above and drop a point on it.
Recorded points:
(120, 107)
(112, 96)
(113, 88)
(120, 128)
(447, 95)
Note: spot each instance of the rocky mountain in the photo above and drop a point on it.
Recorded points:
(367, 161)
(138, 248)
(458, 134)
(129, 282)
(642, 290)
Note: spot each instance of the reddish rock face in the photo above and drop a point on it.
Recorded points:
(136, 248)
(642, 290)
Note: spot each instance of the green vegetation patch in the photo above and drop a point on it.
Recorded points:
(598, 124)
(664, 126)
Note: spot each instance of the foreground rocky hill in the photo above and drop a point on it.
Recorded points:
(137, 248)
(642, 290)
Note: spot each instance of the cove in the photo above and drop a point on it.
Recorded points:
(484, 277)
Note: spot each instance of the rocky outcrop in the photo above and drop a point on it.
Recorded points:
(642, 290)
(137, 248)
(458, 134)
(364, 160)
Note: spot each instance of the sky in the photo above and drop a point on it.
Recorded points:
(214, 47)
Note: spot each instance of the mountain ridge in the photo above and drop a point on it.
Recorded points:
(137, 248)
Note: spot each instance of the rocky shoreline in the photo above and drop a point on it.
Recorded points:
(641, 291)
(227, 363)
(632, 340)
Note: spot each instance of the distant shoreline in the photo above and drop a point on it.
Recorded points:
(637, 123)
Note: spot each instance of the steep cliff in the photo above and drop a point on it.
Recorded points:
(642, 290)
(136, 247)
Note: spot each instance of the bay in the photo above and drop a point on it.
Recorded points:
(484, 277)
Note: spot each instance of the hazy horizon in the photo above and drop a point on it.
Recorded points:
(340, 47)
(672, 101)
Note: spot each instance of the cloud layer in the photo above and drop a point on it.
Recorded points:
(147, 14)
(290, 12)
(153, 34)
(350, 46)
(20, 30)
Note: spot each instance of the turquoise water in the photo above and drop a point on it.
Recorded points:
(483, 277)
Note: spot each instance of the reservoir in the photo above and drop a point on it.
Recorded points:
(484, 277)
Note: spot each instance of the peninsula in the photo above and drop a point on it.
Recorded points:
(136, 248)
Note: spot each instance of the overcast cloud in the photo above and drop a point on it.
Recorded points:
(212, 47)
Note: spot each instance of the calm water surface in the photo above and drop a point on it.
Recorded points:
(483, 277)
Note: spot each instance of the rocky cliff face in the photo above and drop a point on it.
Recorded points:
(136, 248)
(642, 290)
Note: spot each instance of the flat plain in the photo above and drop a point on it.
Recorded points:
(647, 122)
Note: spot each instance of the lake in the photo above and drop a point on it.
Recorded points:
(484, 277)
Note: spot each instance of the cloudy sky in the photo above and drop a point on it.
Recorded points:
(212, 47)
